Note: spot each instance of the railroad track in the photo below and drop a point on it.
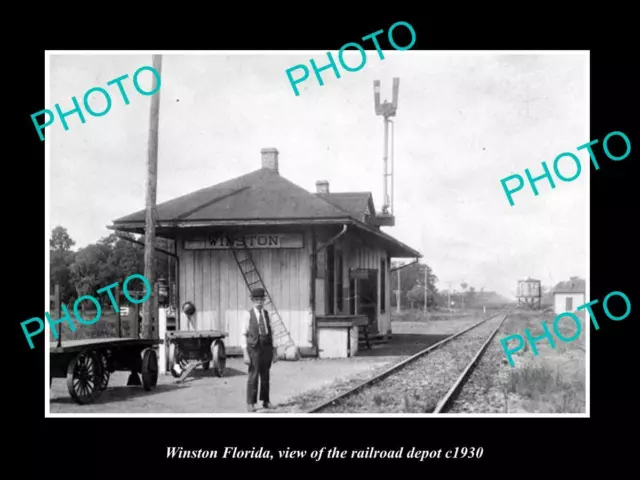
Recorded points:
(421, 371)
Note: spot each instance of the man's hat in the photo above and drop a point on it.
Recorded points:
(257, 293)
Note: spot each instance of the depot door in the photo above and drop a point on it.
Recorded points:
(367, 299)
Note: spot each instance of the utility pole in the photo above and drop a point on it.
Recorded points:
(169, 284)
(449, 296)
(426, 287)
(399, 291)
(152, 180)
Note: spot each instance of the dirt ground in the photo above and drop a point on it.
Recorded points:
(205, 393)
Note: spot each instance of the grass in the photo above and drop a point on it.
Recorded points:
(546, 390)
(416, 315)
(554, 381)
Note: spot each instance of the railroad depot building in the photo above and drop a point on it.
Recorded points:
(321, 257)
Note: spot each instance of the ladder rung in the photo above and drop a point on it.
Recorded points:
(278, 327)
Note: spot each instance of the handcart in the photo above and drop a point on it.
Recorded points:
(189, 349)
(88, 364)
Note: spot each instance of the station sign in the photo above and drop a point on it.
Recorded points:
(252, 241)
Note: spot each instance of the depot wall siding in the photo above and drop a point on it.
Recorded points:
(212, 280)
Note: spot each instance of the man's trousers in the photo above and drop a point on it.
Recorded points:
(261, 357)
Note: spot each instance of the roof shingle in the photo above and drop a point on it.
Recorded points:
(261, 194)
(354, 203)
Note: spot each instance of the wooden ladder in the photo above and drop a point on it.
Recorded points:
(253, 280)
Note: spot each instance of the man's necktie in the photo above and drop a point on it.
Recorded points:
(263, 328)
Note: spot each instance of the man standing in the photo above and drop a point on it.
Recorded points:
(258, 349)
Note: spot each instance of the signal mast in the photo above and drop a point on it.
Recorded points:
(386, 109)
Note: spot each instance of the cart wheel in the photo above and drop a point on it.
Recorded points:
(149, 368)
(84, 375)
(219, 357)
(207, 365)
(104, 364)
(208, 354)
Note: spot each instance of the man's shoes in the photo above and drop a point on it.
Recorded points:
(251, 408)
(268, 405)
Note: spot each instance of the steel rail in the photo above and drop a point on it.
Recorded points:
(396, 367)
(447, 400)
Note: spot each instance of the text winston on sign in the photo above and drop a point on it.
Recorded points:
(225, 242)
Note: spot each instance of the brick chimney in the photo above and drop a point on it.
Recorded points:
(270, 158)
(322, 186)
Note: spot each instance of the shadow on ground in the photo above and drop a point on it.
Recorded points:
(122, 393)
(199, 374)
(401, 344)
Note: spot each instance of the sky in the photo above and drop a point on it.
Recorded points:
(464, 122)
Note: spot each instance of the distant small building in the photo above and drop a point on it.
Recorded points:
(530, 293)
(567, 296)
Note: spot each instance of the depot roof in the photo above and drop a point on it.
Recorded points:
(263, 197)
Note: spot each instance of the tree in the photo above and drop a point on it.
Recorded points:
(60, 259)
(90, 270)
(409, 277)
(60, 240)
(112, 259)
(416, 294)
(471, 295)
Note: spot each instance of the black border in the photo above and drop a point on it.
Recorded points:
(131, 446)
